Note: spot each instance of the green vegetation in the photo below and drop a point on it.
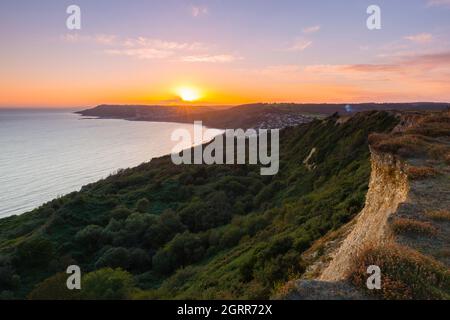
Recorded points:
(166, 231)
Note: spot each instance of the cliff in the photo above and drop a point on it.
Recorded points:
(404, 227)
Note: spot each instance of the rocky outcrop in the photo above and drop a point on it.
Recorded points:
(388, 188)
(406, 207)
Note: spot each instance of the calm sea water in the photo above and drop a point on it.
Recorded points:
(46, 153)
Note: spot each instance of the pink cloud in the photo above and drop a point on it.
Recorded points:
(221, 58)
(438, 3)
(198, 11)
(420, 38)
(312, 29)
(299, 45)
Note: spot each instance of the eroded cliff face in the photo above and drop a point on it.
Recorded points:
(388, 188)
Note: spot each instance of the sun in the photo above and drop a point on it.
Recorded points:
(189, 94)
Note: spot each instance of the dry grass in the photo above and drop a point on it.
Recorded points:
(438, 215)
(403, 145)
(420, 173)
(406, 274)
(410, 226)
(420, 139)
(283, 291)
(434, 125)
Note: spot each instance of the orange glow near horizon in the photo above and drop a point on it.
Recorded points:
(204, 59)
(189, 94)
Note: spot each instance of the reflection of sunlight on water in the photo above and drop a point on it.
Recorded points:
(45, 155)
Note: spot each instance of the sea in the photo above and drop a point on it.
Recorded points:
(47, 153)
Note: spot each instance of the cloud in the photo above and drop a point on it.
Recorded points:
(372, 67)
(149, 48)
(434, 60)
(312, 29)
(163, 44)
(438, 3)
(197, 11)
(423, 62)
(221, 58)
(420, 38)
(102, 39)
(280, 70)
(300, 45)
(141, 53)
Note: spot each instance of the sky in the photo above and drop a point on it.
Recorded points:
(222, 52)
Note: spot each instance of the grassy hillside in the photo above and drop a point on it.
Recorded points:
(166, 231)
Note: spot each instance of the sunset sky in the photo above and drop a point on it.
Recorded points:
(222, 52)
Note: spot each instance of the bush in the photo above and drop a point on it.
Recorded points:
(8, 278)
(143, 205)
(184, 249)
(419, 173)
(54, 288)
(230, 237)
(407, 274)
(140, 260)
(90, 237)
(114, 258)
(403, 145)
(107, 284)
(409, 226)
(163, 262)
(34, 253)
(439, 215)
(121, 213)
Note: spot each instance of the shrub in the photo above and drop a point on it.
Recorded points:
(114, 258)
(139, 260)
(143, 205)
(34, 253)
(107, 284)
(54, 288)
(121, 213)
(419, 173)
(410, 226)
(163, 262)
(184, 249)
(407, 274)
(230, 237)
(403, 145)
(90, 237)
(8, 279)
(439, 215)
